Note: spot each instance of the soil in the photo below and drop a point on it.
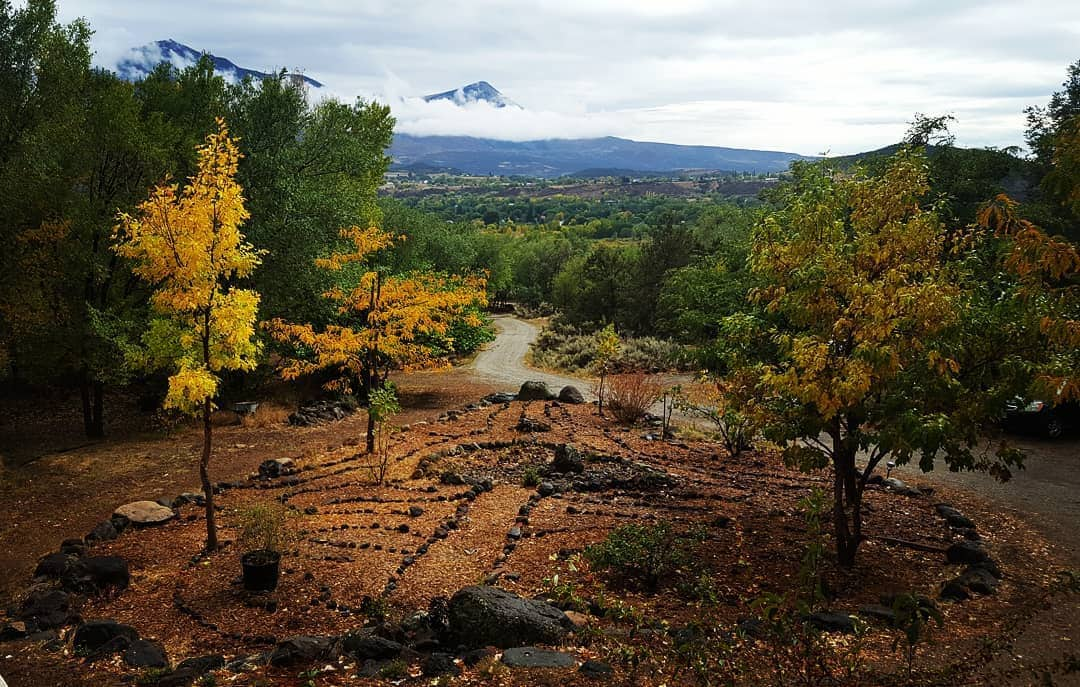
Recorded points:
(353, 538)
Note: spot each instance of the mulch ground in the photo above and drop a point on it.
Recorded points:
(354, 539)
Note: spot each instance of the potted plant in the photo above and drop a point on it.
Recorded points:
(263, 535)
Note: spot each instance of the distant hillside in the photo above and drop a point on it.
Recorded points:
(553, 158)
(139, 62)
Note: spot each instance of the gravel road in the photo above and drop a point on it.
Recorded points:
(502, 361)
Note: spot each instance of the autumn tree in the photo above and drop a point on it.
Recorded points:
(861, 299)
(186, 243)
(607, 348)
(386, 320)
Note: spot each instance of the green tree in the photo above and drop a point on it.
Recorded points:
(862, 301)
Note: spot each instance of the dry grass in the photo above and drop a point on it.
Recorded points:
(266, 415)
(631, 394)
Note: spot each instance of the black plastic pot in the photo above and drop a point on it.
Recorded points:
(261, 570)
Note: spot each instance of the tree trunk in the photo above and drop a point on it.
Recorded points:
(91, 394)
(846, 496)
(600, 396)
(204, 475)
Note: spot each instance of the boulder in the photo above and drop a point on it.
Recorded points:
(142, 653)
(301, 651)
(46, 608)
(531, 657)
(535, 391)
(97, 574)
(571, 395)
(365, 644)
(953, 517)
(145, 513)
(568, 459)
(966, 552)
(979, 580)
(488, 616)
(92, 636)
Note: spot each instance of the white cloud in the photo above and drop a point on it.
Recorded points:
(840, 75)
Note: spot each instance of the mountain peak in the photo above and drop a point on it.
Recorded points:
(479, 91)
(140, 61)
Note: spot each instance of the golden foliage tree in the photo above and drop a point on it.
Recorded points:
(389, 320)
(186, 243)
(855, 278)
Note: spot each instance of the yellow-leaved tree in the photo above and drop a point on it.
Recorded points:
(186, 243)
(389, 320)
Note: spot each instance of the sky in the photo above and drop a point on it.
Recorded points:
(810, 77)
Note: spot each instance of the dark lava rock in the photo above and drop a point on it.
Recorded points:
(451, 478)
(142, 653)
(500, 397)
(954, 517)
(46, 608)
(415, 511)
(365, 644)
(966, 552)
(301, 650)
(535, 391)
(979, 580)
(545, 489)
(97, 574)
(471, 658)
(568, 459)
(595, 669)
(528, 425)
(954, 591)
(54, 565)
(571, 395)
(900, 487)
(91, 636)
(275, 467)
(190, 670)
(531, 657)
(440, 664)
(877, 612)
(832, 622)
(489, 616)
(103, 531)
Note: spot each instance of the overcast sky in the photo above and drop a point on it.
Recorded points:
(795, 75)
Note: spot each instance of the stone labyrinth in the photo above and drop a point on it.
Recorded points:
(500, 493)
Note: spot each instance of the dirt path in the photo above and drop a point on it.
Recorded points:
(503, 360)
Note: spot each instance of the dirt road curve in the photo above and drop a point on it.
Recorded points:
(502, 361)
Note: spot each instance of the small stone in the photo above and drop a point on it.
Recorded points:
(440, 664)
(415, 511)
(832, 622)
(968, 552)
(595, 669)
(142, 653)
(532, 657)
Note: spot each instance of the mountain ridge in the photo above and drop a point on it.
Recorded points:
(140, 61)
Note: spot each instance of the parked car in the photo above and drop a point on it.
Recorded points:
(1042, 417)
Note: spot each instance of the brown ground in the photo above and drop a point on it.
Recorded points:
(196, 609)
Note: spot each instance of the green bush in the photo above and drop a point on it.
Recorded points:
(646, 554)
(563, 346)
(531, 477)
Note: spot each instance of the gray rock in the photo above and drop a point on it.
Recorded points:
(103, 531)
(501, 397)
(900, 487)
(954, 517)
(954, 591)
(142, 653)
(979, 580)
(531, 657)
(301, 651)
(535, 391)
(440, 664)
(545, 489)
(365, 644)
(568, 459)
(529, 425)
(489, 616)
(571, 395)
(275, 467)
(878, 612)
(190, 670)
(54, 565)
(145, 513)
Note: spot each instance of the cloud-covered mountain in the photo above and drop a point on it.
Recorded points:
(139, 62)
(558, 157)
(479, 92)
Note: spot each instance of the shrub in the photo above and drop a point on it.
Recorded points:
(531, 477)
(263, 527)
(630, 395)
(266, 415)
(644, 553)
